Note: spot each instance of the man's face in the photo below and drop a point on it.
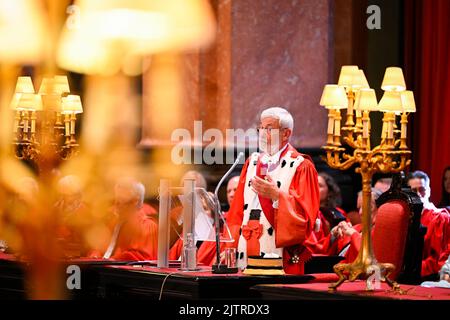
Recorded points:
(420, 187)
(71, 200)
(323, 189)
(271, 136)
(124, 202)
(231, 189)
(447, 181)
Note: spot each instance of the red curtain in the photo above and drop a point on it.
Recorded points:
(427, 71)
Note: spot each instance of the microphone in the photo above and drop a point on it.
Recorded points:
(218, 267)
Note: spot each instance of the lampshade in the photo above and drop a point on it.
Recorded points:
(359, 80)
(334, 97)
(408, 102)
(61, 84)
(24, 85)
(71, 104)
(393, 80)
(366, 100)
(26, 102)
(47, 86)
(391, 102)
(112, 30)
(346, 76)
(51, 96)
(22, 31)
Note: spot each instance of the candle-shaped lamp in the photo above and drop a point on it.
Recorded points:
(366, 101)
(409, 105)
(346, 80)
(390, 104)
(393, 80)
(333, 98)
(71, 105)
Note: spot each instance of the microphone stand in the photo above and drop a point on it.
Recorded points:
(218, 267)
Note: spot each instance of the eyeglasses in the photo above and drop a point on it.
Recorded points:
(267, 130)
(420, 190)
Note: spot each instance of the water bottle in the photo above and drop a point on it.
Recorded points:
(189, 254)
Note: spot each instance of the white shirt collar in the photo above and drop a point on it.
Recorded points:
(276, 157)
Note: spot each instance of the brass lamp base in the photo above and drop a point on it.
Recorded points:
(364, 271)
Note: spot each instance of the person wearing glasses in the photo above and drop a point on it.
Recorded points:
(134, 233)
(276, 202)
(437, 222)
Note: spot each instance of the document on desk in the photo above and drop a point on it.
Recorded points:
(436, 284)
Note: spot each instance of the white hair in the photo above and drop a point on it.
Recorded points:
(285, 118)
(200, 181)
(136, 189)
(69, 185)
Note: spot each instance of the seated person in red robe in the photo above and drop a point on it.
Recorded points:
(329, 216)
(133, 233)
(444, 273)
(277, 200)
(445, 198)
(73, 217)
(345, 239)
(207, 252)
(435, 220)
(176, 214)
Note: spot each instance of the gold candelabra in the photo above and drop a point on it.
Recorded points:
(390, 156)
(44, 123)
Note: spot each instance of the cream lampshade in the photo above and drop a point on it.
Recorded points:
(408, 102)
(359, 80)
(27, 102)
(71, 104)
(334, 97)
(110, 31)
(51, 94)
(393, 80)
(22, 31)
(366, 100)
(391, 102)
(61, 84)
(24, 85)
(346, 76)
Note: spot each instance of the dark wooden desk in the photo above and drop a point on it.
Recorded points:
(348, 291)
(119, 281)
(147, 283)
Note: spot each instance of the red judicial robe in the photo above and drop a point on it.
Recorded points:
(437, 239)
(294, 219)
(206, 254)
(137, 239)
(70, 232)
(436, 242)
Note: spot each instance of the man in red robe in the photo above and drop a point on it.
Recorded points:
(73, 217)
(277, 199)
(133, 233)
(345, 238)
(435, 220)
(206, 254)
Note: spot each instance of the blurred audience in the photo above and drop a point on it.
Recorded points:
(436, 221)
(383, 184)
(133, 234)
(330, 215)
(73, 217)
(445, 198)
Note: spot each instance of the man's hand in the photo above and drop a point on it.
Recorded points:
(266, 188)
(347, 229)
